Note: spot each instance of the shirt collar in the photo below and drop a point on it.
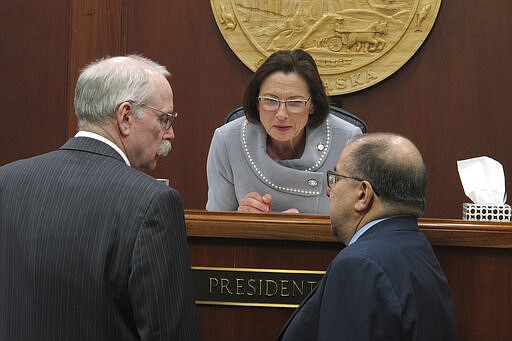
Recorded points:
(95, 136)
(365, 228)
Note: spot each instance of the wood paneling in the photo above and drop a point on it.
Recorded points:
(33, 77)
(480, 280)
(314, 227)
(476, 257)
(96, 32)
(451, 98)
(208, 81)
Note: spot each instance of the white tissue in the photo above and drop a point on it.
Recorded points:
(483, 180)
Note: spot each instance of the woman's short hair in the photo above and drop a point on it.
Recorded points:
(288, 61)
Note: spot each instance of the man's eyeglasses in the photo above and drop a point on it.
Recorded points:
(166, 119)
(333, 178)
(294, 106)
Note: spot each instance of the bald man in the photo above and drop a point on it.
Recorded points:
(386, 284)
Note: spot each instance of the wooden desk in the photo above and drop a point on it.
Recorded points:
(476, 257)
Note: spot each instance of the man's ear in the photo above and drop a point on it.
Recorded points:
(365, 197)
(125, 118)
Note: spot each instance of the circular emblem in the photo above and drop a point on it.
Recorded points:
(355, 43)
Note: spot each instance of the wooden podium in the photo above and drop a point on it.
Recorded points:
(476, 257)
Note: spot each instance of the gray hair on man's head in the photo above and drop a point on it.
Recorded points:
(106, 83)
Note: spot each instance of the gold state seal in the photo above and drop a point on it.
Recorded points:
(356, 43)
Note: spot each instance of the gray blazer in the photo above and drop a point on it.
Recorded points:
(238, 163)
(91, 249)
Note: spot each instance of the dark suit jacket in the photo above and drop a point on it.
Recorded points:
(388, 285)
(91, 249)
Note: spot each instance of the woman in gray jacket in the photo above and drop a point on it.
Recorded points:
(275, 157)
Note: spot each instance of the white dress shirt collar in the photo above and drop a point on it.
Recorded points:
(104, 140)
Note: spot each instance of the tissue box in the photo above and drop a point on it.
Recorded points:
(486, 212)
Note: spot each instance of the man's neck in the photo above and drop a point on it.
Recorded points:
(106, 136)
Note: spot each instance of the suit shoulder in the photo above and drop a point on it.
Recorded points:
(231, 128)
(138, 179)
(356, 255)
(29, 164)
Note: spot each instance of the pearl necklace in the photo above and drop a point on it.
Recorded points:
(262, 176)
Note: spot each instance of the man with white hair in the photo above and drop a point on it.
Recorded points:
(91, 247)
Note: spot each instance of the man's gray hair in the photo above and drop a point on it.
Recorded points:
(106, 83)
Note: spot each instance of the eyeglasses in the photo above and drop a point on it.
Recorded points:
(166, 119)
(332, 179)
(294, 106)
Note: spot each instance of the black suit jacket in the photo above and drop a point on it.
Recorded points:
(91, 249)
(388, 285)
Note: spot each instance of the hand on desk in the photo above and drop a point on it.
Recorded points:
(256, 203)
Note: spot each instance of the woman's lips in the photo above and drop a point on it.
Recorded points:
(282, 128)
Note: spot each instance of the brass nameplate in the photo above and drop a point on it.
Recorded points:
(253, 287)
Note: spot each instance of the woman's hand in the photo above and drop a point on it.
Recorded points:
(254, 202)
